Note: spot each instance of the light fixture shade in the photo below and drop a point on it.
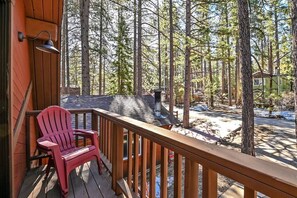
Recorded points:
(48, 47)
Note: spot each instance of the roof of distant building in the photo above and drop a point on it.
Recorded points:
(139, 108)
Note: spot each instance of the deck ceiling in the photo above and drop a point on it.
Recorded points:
(45, 10)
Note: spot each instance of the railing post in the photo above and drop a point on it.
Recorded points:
(117, 162)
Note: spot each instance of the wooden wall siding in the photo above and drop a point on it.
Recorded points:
(20, 81)
(28, 64)
(45, 10)
(45, 68)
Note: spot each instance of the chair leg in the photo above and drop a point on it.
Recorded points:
(49, 165)
(99, 164)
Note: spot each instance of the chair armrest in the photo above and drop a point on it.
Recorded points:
(82, 132)
(93, 135)
(46, 145)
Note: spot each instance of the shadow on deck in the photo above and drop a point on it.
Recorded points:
(84, 181)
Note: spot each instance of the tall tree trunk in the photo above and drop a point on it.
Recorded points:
(223, 81)
(187, 67)
(67, 47)
(210, 101)
(135, 73)
(247, 141)
(228, 60)
(294, 32)
(270, 66)
(277, 49)
(171, 59)
(139, 51)
(104, 62)
(84, 20)
(159, 46)
(100, 48)
(63, 55)
(236, 72)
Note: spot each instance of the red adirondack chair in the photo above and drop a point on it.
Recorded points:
(58, 141)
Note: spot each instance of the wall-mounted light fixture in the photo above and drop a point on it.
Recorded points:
(48, 45)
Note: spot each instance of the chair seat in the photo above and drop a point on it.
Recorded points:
(76, 152)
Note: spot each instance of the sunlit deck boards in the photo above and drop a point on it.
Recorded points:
(84, 181)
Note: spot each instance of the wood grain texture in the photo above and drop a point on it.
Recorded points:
(153, 170)
(210, 183)
(164, 171)
(34, 27)
(177, 175)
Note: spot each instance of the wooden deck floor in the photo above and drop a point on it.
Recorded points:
(84, 181)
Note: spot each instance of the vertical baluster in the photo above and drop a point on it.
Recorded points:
(100, 132)
(177, 175)
(191, 179)
(84, 120)
(105, 136)
(117, 166)
(144, 165)
(136, 162)
(164, 171)
(85, 126)
(76, 126)
(103, 131)
(130, 159)
(249, 193)
(94, 121)
(210, 184)
(109, 141)
(153, 171)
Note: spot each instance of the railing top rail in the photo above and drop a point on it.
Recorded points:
(72, 111)
(263, 176)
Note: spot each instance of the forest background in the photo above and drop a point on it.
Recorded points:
(184, 48)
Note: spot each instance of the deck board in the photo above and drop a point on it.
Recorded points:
(84, 181)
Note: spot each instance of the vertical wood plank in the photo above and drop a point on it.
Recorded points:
(144, 165)
(84, 120)
(210, 183)
(105, 137)
(117, 166)
(76, 126)
(153, 171)
(164, 171)
(191, 179)
(94, 121)
(177, 175)
(249, 193)
(100, 132)
(85, 126)
(136, 162)
(28, 145)
(108, 141)
(130, 159)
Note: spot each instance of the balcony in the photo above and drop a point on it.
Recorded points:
(194, 170)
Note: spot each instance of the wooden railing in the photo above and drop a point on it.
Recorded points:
(254, 174)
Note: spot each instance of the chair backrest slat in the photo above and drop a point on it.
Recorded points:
(55, 124)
